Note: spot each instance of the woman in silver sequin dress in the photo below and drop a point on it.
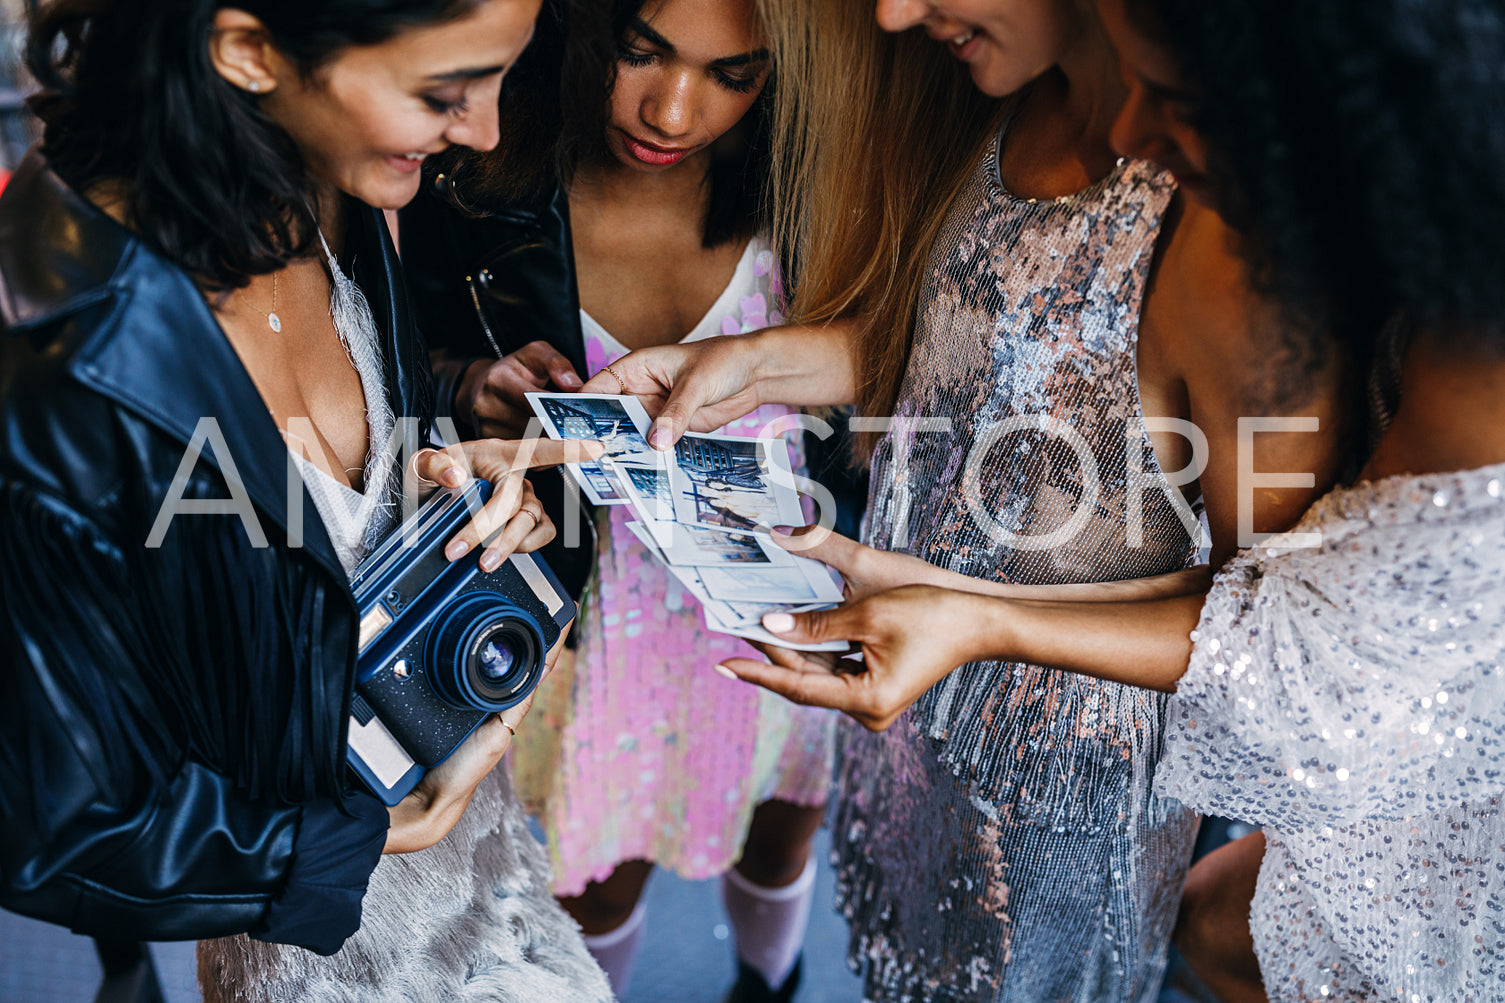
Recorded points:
(1049, 871)
(1340, 684)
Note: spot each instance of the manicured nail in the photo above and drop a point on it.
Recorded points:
(783, 531)
(723, 670)
(778, 623)
(490, 561)
(453, 477)
(660, 436)
(570, 381)
(456, 548)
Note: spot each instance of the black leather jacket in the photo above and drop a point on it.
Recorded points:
(171, 717)
(485, 287)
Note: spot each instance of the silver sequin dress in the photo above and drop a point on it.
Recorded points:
(1001, 841)
(1350, 698)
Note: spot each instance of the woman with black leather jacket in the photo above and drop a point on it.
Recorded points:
(197, 295)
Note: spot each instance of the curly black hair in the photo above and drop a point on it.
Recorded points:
(1359, 148)
(129, 97)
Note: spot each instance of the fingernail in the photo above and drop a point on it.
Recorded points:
(570, 381)
(778, 623)
(453, 477)
(724, 671)
(456, 548)
(783, 531)
(659, 436)
(490, 561)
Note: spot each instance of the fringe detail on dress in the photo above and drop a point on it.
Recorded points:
(1003, 730)
(353, 322)
(470, 919)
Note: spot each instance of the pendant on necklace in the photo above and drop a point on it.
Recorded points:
(274, 322)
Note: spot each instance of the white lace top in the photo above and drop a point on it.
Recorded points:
(1350, 698)
(356, 521)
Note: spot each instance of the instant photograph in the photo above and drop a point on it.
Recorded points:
(730, 483)
(618, 422)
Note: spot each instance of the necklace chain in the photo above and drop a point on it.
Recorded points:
(273, 321)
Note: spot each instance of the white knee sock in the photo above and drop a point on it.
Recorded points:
(616, 951)
(769, 923)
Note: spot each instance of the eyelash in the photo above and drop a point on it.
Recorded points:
(455, 109)
(737, 85)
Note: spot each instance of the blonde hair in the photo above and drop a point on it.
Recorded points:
(873, 137)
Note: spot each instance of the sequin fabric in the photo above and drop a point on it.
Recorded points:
(640, 751)
(1350, 698)
(1001, 841)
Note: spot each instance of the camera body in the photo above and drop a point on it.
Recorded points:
(442, 644)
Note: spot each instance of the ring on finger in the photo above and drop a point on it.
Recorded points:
(420, 478)
(510, 730)
(621, 384)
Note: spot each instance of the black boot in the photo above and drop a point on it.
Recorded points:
(751, 987)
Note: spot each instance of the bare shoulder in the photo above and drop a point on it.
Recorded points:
(1240, 356)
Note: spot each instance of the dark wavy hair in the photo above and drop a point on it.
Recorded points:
(554, 111)
(130, 99)
(1359, 149)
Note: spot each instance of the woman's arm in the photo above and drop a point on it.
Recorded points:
(913, 636)
(703, 385)
(109, 829)
(868, 571)
(436, 805)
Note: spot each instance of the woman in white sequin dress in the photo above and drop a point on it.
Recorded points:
(1341, 684)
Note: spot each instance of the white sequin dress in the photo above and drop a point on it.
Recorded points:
(1350, 698)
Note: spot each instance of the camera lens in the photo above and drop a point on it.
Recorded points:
(501, 660)
(484, 652)
(495, 661)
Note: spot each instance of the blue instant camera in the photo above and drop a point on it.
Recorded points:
(442, 644)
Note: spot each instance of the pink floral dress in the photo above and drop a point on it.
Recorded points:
(639, 750)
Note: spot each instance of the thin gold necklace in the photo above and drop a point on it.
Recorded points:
(273, 321)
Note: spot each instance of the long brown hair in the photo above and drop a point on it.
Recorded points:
(874, 135)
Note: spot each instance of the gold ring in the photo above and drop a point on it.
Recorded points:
(510, 730)
(416, 475)
(621, 384)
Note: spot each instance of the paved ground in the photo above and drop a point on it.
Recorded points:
(687, 957)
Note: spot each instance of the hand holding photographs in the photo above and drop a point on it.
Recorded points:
(704, 510)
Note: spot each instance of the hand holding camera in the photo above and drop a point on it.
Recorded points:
(513, 509)
(450, 652)
(431, 810)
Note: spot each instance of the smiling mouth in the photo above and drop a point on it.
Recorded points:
(964, 38)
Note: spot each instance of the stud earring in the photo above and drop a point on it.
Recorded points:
(254, 86)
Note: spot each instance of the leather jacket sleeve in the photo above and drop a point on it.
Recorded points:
(111, 826)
